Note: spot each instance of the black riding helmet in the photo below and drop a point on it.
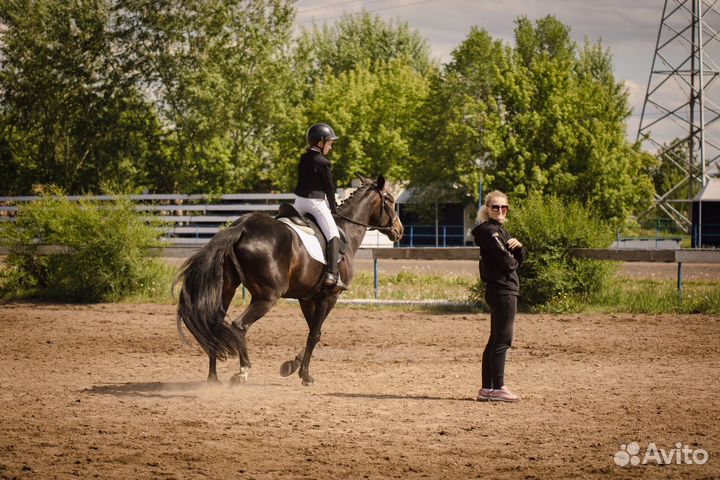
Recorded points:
(320, 132)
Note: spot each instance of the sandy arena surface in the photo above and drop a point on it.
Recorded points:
(109, 391)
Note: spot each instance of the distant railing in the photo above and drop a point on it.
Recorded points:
(433, 236)
(647, 243)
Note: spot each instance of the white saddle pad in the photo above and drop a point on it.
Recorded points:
(312, 245)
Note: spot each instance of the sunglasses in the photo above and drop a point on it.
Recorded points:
(497, 208)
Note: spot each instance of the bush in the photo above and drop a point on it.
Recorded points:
(550, 279)
(103, 254)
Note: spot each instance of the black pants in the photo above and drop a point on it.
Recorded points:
(502, 318)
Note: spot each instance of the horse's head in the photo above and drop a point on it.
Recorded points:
(383, 216)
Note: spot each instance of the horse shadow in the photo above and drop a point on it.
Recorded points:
(190, 389)
(149, 389)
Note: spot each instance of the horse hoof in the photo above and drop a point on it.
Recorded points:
(308, 381)
(213, 381)
(241, 377)
(288, 368)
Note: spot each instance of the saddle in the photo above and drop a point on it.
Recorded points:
(286, 210)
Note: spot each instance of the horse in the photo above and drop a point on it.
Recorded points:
(269, 259)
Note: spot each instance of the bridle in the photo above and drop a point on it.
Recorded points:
(390, 212)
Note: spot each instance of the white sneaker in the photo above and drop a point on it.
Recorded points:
(484, 395)
(503, 394)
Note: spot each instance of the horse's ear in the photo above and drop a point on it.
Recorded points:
(364, 180)
(380, 182)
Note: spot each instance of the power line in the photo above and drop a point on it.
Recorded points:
(369, 11)
(339, 4)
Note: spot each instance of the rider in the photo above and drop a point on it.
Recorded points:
(315, 194)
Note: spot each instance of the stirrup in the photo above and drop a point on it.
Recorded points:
(334, 282)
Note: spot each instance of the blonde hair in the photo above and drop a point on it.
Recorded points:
(483, 215)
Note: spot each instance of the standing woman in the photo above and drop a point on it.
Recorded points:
(500, 257)
(315, 194)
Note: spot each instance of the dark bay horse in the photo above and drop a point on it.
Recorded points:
(268, 258)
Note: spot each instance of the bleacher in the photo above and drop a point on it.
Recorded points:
(186, 219)
(193, 219)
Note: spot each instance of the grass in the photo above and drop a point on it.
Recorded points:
(400, 286)
(412, 286)
(657, 296)
(622, 295)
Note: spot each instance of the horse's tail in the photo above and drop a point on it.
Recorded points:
(200, 305)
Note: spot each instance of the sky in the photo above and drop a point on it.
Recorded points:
(629, 28)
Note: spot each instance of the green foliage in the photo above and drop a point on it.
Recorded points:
(411, 286)
(219, 75)
(460, 121)
(367, 78)
(374, 111)
(214, 96)
(169, 95)
(362, 39)
(70, 115)
(542, 117)
(551, 279)
(103, 256)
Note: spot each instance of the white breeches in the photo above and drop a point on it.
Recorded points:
(319, 209)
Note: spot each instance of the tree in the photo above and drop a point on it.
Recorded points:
(461, 120)
(541, 117)
(375, 111)
(217, 72)
(69, 115)
(361, 39)
(367, 79)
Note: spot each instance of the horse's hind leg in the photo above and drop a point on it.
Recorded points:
(255, 311)
(230, 284)
(212, 374)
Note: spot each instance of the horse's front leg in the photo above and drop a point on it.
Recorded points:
(321, 309)
(289, 367)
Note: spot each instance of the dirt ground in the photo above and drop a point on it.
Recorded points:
(109, 391)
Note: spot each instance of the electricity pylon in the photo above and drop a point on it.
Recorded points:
(681, 111)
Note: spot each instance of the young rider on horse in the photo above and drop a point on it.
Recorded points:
(315, 194)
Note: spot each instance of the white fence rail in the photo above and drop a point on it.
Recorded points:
(192, 219)
(188, 219)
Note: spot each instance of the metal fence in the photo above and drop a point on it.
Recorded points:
(433, 236)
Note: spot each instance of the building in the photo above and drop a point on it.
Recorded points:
(706, 216)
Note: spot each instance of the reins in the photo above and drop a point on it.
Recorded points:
(382, 228)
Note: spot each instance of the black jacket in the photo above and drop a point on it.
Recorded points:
(498, 265)
(315, 178)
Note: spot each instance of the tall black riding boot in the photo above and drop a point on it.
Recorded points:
(332, 277)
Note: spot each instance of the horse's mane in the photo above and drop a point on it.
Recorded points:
(349, 200)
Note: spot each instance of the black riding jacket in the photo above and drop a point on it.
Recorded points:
(315, 178)
(498, 265)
